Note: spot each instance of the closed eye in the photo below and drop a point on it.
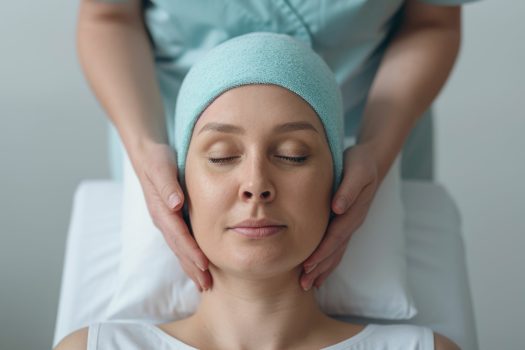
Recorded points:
(294, 159)
(220, 160)
(227, 159)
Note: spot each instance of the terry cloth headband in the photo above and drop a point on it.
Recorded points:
(261, 58)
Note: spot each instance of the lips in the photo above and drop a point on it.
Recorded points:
(263, 222)
(258, 232)
(258, 228)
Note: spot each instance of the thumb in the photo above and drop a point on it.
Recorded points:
(167, 184)
(346, 194)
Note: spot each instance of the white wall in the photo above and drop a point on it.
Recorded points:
(53, 134)
(481, 159)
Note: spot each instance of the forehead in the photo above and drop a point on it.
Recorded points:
(258, 107)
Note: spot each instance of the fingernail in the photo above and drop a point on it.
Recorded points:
(174, 200)
(307, 287)
(309, 268)
(341, 204)
(203, 284)
(202, 268)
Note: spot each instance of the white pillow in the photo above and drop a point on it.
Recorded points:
(370, 281)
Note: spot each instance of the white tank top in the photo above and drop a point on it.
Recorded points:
(134, 335)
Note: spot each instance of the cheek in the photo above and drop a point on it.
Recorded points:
(308, 197)
(311, 190)
(203, 187)
(208, 201)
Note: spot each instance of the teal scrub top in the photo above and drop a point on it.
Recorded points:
(350, 35)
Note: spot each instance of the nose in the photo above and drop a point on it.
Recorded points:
(256, 184)
(264, 196)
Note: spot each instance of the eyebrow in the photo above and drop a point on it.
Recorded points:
(233, 129)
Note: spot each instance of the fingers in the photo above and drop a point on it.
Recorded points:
(319, 274)
(322, 277)
(202, 279)
(338, 256)
(350, 189)
(351, 202)
(166, 184)
(341, 228)
(192, 259)
(157, 172)
(178, 237)
(331, 250)
(180, 240)
(158, 166)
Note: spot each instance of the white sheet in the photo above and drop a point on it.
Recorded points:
(435, 254)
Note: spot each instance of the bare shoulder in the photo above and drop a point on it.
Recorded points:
(74, 341)
(443, 343)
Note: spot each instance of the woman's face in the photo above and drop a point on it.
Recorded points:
(258, 152)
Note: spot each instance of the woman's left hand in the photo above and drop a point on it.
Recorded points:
(357, 190)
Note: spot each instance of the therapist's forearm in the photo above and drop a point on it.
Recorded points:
(117, 60)
(414, 68)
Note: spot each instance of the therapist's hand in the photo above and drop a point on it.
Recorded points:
(156, 168)
(356, 192)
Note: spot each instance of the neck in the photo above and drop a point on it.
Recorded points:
(243, 313)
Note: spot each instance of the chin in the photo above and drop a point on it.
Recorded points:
(259, 262)
(259, 258)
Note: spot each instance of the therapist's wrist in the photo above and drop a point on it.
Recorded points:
(382, 154)
(383, 132)
(141, 150)
(139, 133)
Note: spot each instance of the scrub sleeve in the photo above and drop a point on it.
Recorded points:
(351, 36)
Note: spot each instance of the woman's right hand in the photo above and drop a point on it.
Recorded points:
(156, 168)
